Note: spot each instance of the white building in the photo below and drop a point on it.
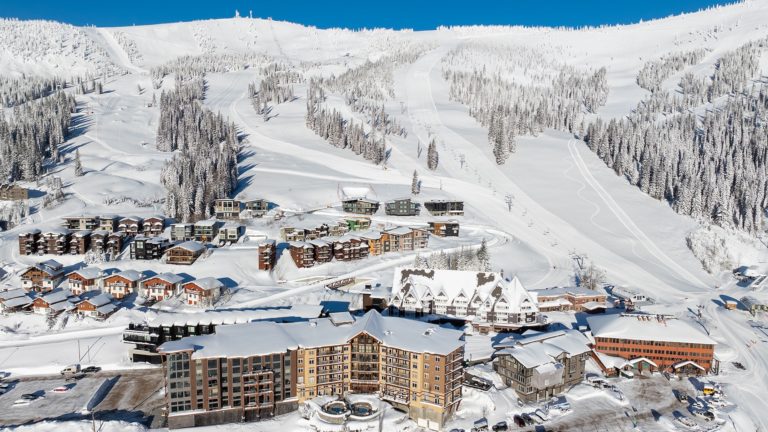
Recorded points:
(486, 299)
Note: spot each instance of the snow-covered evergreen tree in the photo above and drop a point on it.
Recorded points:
(415, 183)
(433, 159)
(78, 164)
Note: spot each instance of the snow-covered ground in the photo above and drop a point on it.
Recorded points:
(565, 201)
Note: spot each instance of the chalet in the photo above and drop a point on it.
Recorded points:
(323, 251)
(206, 230)
(153, 226)
(445, 208)
(54, 241)
(108, 223)
(148, 248)
(15, 300)
(226, 208)
(258, 207)
(119, 285)
(203, 292)
(130, 225)
(267, 255)
(10, 192)
(100, 306)
(230, 233)
(80, 242)
(84, 280)
(28, 241)
(78, 223)
(402, 207)
(184, 253)
(303, 254)
(360, 206)
(181, 232)
(54, 303)
(162, 286)
(358, 223)
(542, 365)
(42, 277)
(575, 299)
(629, 298)
(485, 299)
(444, 229)
(350, 248)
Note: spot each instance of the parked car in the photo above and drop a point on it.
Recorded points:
(92, 369)
(74, 377)
(480, 425)
(500, 426)
(527, 418)
(61, 389)
(739, 365)
(704, 414)
(681, 396)
(71, 369)
(685, 420)
(519, 422)
(29, 396)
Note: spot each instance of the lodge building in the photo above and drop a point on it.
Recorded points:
(261, 369)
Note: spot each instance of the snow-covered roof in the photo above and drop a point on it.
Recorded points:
(29, 231)
(206, 283)
(13, 293)
(352, 192)
(678, 365)
(448, 285)
(87, 273)
(319, 243)
(57, 296)
(402, 230)
(206, 223)
(370, 235)
(300, 244)
(103, 233)
(260, 338)
(131, 275)
(99, 300)
(238, 316)
(50, 267)
(339, 318)
(56, 231)
(17, 302)
(169, 277)
(573, 291)
(191, 246)
(82, 233)
(646, 328)
(106, 309)
(544, 348)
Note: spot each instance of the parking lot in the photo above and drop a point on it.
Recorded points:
(132, 396)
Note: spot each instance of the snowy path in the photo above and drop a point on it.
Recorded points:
(113, 48)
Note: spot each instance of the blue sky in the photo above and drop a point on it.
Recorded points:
(356, 14)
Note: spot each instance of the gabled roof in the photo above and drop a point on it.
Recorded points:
(402, 230)
(544, 348)
(13, 293)
(206, 283)
(87, 273)
(57, 296)
(168, 277)
(191, 246)
(99, 300)
(131, 275)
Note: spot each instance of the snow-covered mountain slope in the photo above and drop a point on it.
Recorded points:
(552, 200)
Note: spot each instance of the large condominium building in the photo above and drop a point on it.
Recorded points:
(662, 343)
(261, 369)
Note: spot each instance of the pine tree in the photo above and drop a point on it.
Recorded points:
(484, 257)
(415, 183)
(78, 165)
(432, 157)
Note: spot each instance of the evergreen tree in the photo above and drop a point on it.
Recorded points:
(415, 183)
(432, 157)
(78, 165)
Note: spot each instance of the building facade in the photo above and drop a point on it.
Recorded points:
(402, 207)
(261, 369)
(665, 341)
(445, 208)
(360, 206)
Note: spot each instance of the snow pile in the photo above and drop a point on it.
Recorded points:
(81, 426)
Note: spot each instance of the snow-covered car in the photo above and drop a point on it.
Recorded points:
(685, 421)
(61, 389)
(500, 426)
(21, 402)
(704, 414)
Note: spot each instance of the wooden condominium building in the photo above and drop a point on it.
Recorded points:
(258, 207)
(54, 241)
(81, 223)
(444, 228)
(206, 230)
(350, 248)
(663, 343)
(84, 280)
(12, 192)
(202, 292)
(360, 206)
(153, 226)
(542, 365)
(184, 253)
(445, 208)
(181, 232)
(130, 225)
(267, 255)
(161, 287)
(402, 207)
(148, 248)
(28, 241)
(122, 284)
(303, 254)
(42, 277)
(577, 299)
(485, 299)
(227, 208)
(261, 369)
(105, 242)
(79, 242)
